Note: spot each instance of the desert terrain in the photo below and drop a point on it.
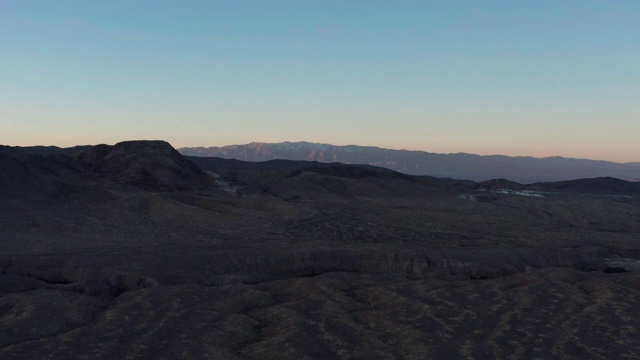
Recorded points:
(134, 251)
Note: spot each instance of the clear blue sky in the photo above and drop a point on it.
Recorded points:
(513, 77)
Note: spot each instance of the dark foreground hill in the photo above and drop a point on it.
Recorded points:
(458, 166)
(134, 165)
(132, 251)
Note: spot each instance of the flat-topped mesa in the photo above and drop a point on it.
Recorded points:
(148, 165)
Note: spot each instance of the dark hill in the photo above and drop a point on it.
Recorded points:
(352, 171)
(141, 165)
(312, 179)
(147, 165)
(343, 182)
(497, 184)
(222, 165)
(601, 185)
(245, 173)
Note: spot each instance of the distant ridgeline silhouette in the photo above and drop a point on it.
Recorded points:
(458, 166)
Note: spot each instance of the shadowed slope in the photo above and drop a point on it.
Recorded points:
(19, 184)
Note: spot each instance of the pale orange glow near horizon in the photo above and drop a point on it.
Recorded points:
(584, 152)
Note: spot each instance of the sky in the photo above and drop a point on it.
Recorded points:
(521, 78)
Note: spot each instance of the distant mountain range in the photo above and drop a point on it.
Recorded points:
(457, 166)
